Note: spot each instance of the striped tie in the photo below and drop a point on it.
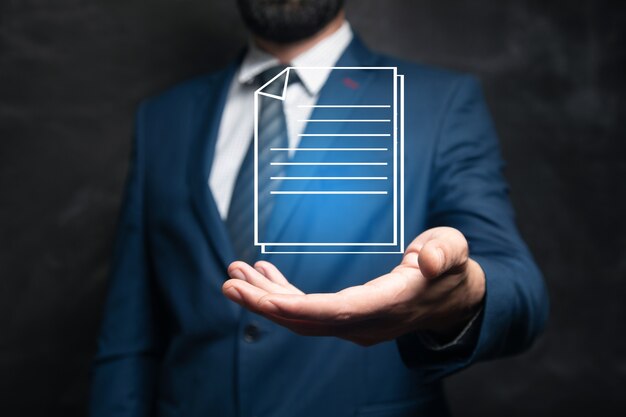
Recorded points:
(272, 134)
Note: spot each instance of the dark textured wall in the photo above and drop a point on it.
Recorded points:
(72, 71)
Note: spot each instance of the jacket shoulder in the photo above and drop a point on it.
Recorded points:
(167, 122)
(430, 81)
(183, 94)
(186, 90)
(424, 72)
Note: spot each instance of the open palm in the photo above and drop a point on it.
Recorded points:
(436, 288)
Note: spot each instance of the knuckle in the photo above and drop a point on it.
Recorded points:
(344, 311)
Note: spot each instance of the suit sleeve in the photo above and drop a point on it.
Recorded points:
(126, 359)
(468, 192)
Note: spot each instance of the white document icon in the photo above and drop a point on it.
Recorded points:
(342, 188)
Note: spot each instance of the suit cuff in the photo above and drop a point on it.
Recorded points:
(465, 339)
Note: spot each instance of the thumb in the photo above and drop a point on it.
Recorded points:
(444, 251)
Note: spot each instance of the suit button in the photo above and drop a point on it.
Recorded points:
(251, 333)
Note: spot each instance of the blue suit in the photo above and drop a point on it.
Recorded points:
(172, 345)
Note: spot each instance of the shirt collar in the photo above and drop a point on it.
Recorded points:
(326, 53)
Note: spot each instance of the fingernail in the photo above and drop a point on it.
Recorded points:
(237, 274)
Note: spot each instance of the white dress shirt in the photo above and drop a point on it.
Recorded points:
(235, 132)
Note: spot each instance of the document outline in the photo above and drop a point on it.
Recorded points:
(398, 162)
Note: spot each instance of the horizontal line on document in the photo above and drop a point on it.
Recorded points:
(328, 163)
(346, 134)
(347, 120)
(329, 149)
(329, 178)
(346, 106)
(365, 252)
(272, 244)
(330, 192)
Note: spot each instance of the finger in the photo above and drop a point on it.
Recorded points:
(244, 294)
(256, 300)
(410, 257)
(347, 306)
(328, 308)
(445, 251)
(252, 298)
(273, 274)
(392, 291)
(364, 332)
(243, 271)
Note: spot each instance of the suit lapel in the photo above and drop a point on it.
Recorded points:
(205, 123)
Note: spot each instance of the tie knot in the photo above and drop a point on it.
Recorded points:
(265, 76)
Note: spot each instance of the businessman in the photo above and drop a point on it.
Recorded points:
(198, 323)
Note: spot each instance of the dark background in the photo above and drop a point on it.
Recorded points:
(72, 72)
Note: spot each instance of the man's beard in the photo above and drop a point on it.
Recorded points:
(286, 21)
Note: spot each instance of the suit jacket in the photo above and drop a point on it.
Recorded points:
(172, 345)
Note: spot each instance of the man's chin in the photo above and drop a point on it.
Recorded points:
(286, 38)
(284, 21)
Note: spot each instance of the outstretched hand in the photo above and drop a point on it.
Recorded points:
(436, 288)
